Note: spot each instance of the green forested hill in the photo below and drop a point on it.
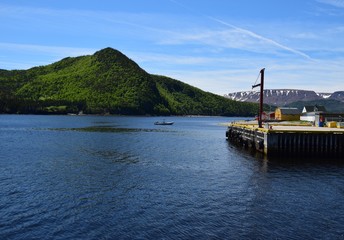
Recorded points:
(330, 104)
(107, 82)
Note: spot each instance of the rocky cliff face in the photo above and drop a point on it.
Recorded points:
(282, 97)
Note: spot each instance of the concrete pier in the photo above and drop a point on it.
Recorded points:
(284, 140)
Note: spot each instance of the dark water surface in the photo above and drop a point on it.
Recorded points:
(92, 177)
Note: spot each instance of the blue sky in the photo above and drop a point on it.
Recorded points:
(216, 45)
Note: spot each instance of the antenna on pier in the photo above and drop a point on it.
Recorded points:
(261, 84)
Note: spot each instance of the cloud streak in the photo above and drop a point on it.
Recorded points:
(52, 50)
(281, 73)
(252, 34)
(208, 52)
(264, 39)
(235, 37)
(335, 3)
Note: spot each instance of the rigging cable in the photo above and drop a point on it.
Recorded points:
(257, 79)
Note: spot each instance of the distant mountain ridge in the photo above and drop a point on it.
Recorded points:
(283, 97)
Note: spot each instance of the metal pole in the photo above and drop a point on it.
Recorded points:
(261, 98)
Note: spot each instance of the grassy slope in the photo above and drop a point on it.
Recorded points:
(107, 81)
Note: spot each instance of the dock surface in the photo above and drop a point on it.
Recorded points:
(291, 138)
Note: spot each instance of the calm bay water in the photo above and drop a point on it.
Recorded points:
(93, 177)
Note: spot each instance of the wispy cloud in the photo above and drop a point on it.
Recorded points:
(335, 3)
(262, 38)
(238, 74)
(216, 38)
(215, 54)
(290, 75)
(52, 50)
(155, 62)
(245, 32)
(232, 38)
(24, 56)
(98, 20)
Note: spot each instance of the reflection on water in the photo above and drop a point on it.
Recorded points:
(93, 177)
(109, 129)
(287, 158)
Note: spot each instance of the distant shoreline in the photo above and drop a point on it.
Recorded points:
(120, 115)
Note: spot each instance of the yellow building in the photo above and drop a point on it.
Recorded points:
(287, 114)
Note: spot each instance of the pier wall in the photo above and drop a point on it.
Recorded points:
(305, 144)
(301, 143)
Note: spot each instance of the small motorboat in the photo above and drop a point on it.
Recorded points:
(163, 123)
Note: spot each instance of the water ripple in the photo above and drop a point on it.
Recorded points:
(108, 129)
(65, 178)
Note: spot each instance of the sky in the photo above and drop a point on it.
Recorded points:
(218, 46)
